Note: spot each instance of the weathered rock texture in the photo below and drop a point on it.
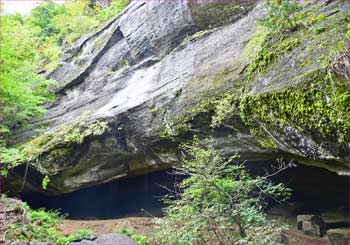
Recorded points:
(111, 238)
(311, 224)
(143, 69)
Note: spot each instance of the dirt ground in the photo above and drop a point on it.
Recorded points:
(143, 226)
(137, 225)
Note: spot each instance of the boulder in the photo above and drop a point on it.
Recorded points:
(336, 215)
(339, 236)
(111, 238)
(311, 225)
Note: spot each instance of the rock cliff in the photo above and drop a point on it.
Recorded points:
(124, 86)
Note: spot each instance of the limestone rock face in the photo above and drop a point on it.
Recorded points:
(138, 73)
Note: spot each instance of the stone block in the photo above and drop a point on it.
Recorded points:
(312, 225)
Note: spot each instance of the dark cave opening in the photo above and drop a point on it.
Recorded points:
(134, 196)
(315, 190)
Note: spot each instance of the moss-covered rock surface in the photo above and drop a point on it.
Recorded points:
(290, 99)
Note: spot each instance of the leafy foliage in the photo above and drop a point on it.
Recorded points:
(125, 231)
(31, 225)
(225, 107)
(282, 15)
(29, 43)
(23, 224)
(31, 152)
(218, 203)
(45, 182)
(320, 106)
(42, 19)
(82, 20)
(32, 44)
(139, 239)
(115, 8)
(21, 89)
(57, 24)
(79, 235)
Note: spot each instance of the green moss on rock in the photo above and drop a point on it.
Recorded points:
(216, 109)
(321, 105)
(52, 149)
(270, 53)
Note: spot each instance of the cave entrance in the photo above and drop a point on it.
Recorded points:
(135, 196)
(315, 191)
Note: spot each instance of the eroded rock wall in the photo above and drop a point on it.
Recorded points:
(147, 67)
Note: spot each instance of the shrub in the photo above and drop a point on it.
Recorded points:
(125, 231)
(45, 182)
(114, 9)
(41, 18)
(28, 225)
(81, 20)
(139, 239)
(219, 202)
(282, 15)
(22, 91)
(77, 236)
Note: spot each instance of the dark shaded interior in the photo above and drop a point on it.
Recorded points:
(135, 196)
(315, 190)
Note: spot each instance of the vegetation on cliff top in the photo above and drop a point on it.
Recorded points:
(32, 44)
(319, 104)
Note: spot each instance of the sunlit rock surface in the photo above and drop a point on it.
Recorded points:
(144, 68)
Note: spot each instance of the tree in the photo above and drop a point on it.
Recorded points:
(30, 45)
(218, 202)
(42, 18)
(22, 91)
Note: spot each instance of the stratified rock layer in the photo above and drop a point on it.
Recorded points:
(142, 70)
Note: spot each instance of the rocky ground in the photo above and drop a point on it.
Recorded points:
(143, 226)
(137, 225)
(333, 225)
(330, 226)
